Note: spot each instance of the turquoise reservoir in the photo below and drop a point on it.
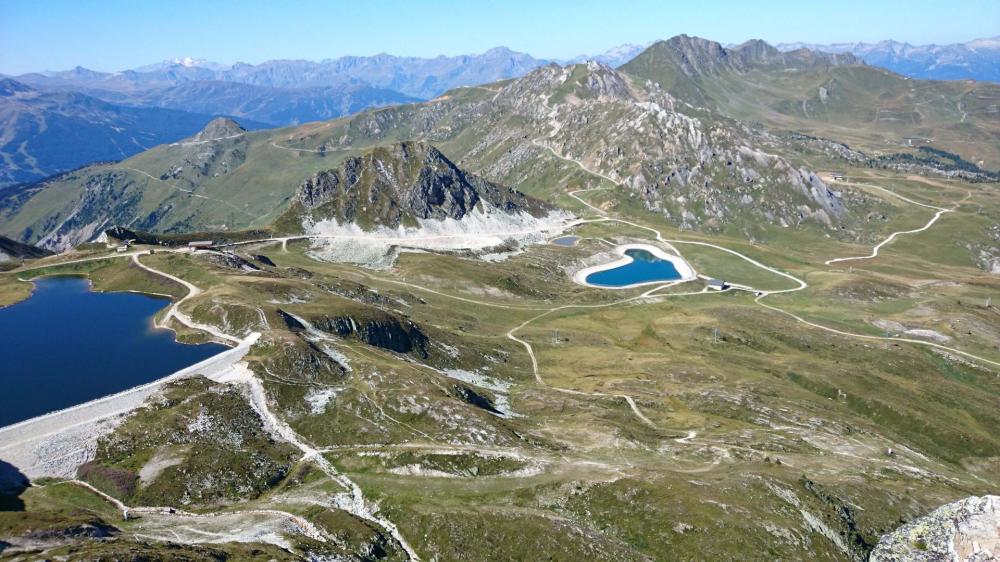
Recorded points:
(644, 268)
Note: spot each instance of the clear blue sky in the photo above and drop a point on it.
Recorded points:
(113, 35)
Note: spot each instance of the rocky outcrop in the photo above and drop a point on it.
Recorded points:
(378, 329)
(300, 359)
(220, 443)
(229, 260)
(14, 249)
(963, 531)
(699, 170)
(400, 184)
(986, 252)
(218, 128)
(216, 150)
(469, 396)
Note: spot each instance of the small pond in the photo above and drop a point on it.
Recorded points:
(642, 267)
(67, 344)
(566, 240)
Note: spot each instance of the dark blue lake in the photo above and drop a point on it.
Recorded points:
(644, 268)
(66, 345)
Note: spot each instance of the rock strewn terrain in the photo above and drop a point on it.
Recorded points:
(963, 531)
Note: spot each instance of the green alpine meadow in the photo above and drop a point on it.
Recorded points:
(684, 298)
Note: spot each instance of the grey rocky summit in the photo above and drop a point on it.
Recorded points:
(219, 128)
(397, 184)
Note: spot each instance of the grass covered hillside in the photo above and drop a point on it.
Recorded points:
(806, 423)
(831, 96)
(45, 133)
(421, 371)
(698, 168)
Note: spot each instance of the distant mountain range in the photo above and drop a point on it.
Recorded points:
(415, 77)
(54, 121)
(672, 126)
(421, 78)
(613, 57)
(976, 60)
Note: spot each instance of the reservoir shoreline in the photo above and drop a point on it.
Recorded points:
(683, 268)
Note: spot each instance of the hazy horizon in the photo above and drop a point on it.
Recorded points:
(53, 36)
(199, 59)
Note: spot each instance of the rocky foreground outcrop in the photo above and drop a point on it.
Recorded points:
(963, 531)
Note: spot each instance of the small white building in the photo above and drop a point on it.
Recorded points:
(717, 285)
(838, 176)
(201, 244)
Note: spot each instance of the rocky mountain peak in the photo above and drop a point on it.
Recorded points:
(219, 128)
(551, 85)
(758, 51)
(500, 52)
(402, 183)
(694, 56)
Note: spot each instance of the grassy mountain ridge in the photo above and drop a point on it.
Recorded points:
(675, 162)
(829, 95)
(45, 133)
(684, 150)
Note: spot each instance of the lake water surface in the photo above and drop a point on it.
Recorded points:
(644, 268)
(66, 345)
(566, 240)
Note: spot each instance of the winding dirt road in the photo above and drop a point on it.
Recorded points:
(353, 502)
(892, 237)
(801, 284)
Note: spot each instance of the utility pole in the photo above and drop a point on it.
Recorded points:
(715, 335)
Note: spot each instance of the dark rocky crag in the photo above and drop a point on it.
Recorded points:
(379, 329)
(397, 184)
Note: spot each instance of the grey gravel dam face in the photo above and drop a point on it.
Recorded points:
(66, 345)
